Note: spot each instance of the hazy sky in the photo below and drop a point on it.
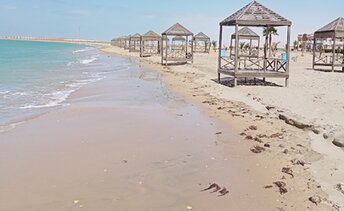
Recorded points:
(105, 19)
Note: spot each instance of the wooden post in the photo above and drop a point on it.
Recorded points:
(266, 50)
(186, 47)
(314, 50)
(162, 50)
(334, 51)
(141, 46)
(192, 50)
(288, 55)
(219, 58)
(166, 50)
(236, 53)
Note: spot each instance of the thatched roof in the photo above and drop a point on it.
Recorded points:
(336, 28)
(178, 38)
(246, 33)
(136, 36)
(201, 36)
(177, 30)
(151, 34)
(255, 14)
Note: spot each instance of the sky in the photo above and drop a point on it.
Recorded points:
(106, 19)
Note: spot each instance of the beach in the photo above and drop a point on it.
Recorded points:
(147, 137)
(306, 116)
(128, 143)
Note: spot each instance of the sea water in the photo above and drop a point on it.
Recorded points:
(38, 76)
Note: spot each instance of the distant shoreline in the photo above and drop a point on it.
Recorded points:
(60, 40)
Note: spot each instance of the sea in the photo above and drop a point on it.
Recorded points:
(36, 77)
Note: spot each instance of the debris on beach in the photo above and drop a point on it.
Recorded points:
(253, 127)
(256, 139)
(267, 145)
(315, 200)
(288, 171)
(257, 149)
(212, 186)
(268, 187)
(282, 187)
(340, 188)
(223, 192)
(298, 162)
(249, 137)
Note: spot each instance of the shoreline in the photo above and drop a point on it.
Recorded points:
(83, 168)
(193, 82)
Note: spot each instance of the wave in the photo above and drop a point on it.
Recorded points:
(83, 50)
(89, 60)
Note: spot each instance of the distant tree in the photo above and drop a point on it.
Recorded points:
(269, 31)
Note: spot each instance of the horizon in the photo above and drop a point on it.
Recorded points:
(103, 20)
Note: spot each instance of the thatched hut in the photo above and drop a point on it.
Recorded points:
(135, 43)
(201, 43)
(176, 55)
(125, 42)
(246, 49)
(150, 44)
(254, 15)
(333, 57)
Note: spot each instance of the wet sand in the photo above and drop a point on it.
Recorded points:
(128, 143)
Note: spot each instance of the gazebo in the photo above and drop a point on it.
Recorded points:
(135, 43)
(125, 42)
(254, 15)
(201, 43)
(333, 58)
(179, 55)
(150, 44)
(248, 50)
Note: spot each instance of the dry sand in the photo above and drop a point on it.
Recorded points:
(312, 99)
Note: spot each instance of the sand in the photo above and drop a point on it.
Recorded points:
(312, 98)
(128, 143)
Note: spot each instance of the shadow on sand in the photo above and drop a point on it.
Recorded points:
(229, 81)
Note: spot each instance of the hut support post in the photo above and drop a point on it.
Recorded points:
(162, 50)
(334, 52)
(219, 59)
(236, 54)
(265, 50)
(288, 55)
(192, 50)
(186, 47)
(314, 49)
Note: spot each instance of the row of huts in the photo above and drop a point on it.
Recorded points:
(177, 45)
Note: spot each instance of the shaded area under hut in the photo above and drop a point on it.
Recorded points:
(135, 43)
(332, 57)
(150, 44)
(238, 66)
(201, 43)
(179, 51)
(249, 49)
